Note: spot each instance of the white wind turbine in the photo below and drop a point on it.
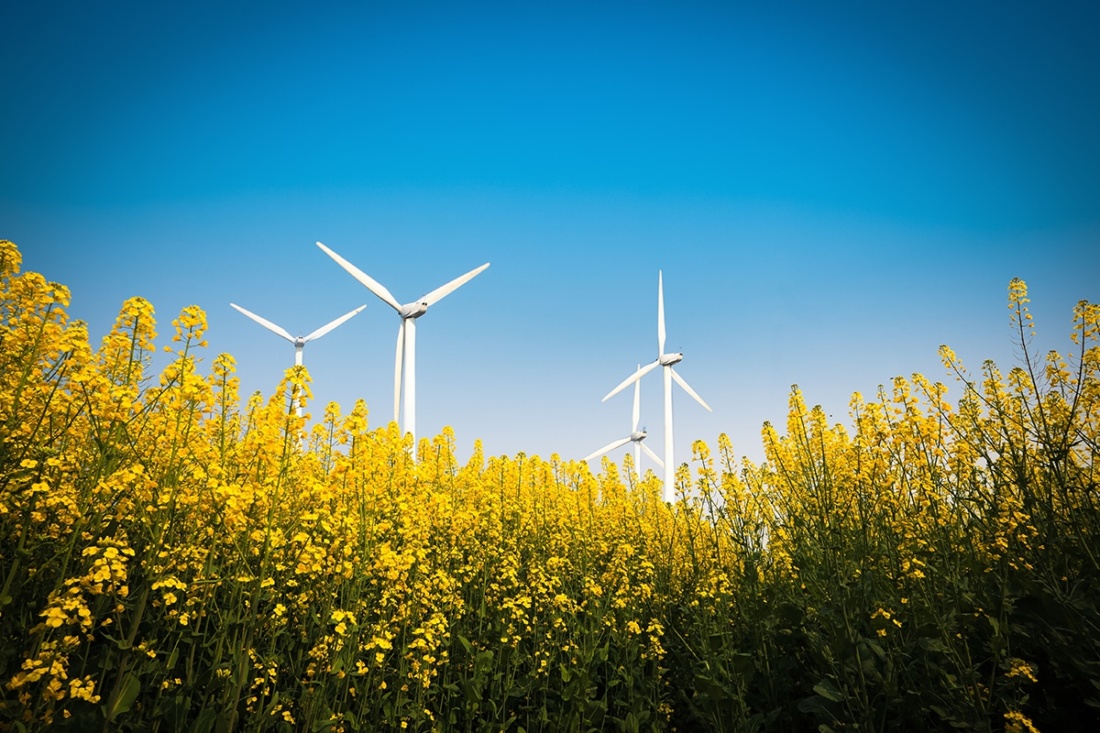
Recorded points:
(298, 341)
(636, 436)
(406, 335)
(666, 361)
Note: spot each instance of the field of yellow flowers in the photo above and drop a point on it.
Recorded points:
(176, 559)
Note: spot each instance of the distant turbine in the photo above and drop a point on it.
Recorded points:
(406, 334)
(666, 361)
(636, 436)
(299, 341)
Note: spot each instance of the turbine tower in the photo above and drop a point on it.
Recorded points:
(406, 334)
(636, 436)
(666, 361)
(298, 341)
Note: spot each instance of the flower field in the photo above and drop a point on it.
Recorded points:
(177, 558)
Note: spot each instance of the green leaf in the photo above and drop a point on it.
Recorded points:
(932, 645)
(205, 722)
(120, 643)
(828, 690)
(813, 705)
(131, 686)
(878, 650)
(566, 675)
(743, 664)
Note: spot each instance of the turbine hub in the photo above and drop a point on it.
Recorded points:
(639, 435)
(669, 359)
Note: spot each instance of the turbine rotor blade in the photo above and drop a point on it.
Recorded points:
(652, 456)
(326, 328)
(397, 372)
(660, 314)
(265, 323)
(680, 381)
(632, 378)
(607, 449)
(370, 283)
(637, 404)
(441, 292)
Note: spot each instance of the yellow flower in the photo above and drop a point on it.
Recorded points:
(1019, 668)
(1017, 722)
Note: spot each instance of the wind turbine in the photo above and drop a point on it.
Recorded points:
(666, 361)
(298, 341)
(406, 334)
(636, 436)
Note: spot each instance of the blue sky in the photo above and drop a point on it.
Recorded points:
(831, 190)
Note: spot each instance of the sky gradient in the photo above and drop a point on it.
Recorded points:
(830, 191)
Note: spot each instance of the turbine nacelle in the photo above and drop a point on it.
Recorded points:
(638, 435)
(413, 310)
(669, 359)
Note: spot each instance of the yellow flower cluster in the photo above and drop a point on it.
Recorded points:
(170, 551)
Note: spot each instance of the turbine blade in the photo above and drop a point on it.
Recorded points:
(370, 283)
(441, 292)
(607, 449)
(660, 314)
(325, 329)
(397, 373)
(652, 456)
(265, 323)
(680, 381)
(637, 404)
(632, 378)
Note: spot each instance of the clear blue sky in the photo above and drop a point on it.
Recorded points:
(831, 189)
